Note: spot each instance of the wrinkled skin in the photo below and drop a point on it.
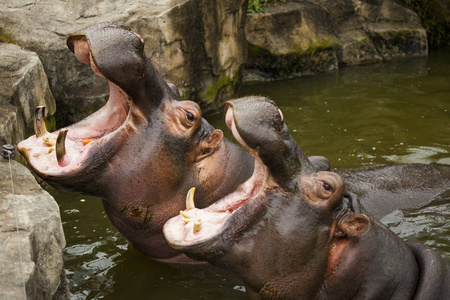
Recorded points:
(148, 147)
(383, 189)
(290, 232)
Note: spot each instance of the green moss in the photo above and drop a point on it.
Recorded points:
(256, 6)
(313, 47)
(365, 41)
(225, 81)
(396, 33)
(5, 36)
(319, 45)
(50, 123)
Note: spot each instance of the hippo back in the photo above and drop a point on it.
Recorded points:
(434, 281)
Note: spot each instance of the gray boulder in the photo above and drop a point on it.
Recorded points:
(24, 87)
(199, 45)
(304, 37)
(32, 239)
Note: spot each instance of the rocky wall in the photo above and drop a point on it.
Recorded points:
(308, 36)
(31, 235)
(32, 238)
(24, 87)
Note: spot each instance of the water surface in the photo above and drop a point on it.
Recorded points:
(359, 116)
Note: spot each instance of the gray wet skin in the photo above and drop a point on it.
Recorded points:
(297, 234)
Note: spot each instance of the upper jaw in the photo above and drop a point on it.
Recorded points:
(112, 50)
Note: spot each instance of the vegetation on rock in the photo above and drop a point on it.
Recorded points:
(434, 19)
(256, 6)
(5, 37)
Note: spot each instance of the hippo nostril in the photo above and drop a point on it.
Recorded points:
(281, 115)
(228, 116)
(81, 50)
(140, 37)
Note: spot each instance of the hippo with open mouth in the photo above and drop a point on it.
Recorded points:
(142, 151)
(145, 148)
(291, 232)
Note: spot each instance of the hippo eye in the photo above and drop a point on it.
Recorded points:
(326, 186)
(324, 190)
(190, 116)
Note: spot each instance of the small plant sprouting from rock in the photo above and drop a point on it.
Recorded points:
(256, 6)
(5, 36)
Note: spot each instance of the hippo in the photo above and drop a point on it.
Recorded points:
(292, 232)
(142, 151)
(145, 148)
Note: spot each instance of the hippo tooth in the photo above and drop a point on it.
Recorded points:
(39, 121)
(184, 214)
(197, 225)
(61, 148)
(190, 199)
(49, 140)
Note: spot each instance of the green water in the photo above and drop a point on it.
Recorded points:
(392, 112)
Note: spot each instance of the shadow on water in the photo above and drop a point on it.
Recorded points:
(364, 115)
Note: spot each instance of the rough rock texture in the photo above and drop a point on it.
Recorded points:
(31, 263)
(197, 44)
(307, 36)
(24, 86)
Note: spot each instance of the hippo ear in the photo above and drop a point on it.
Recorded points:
(354, 225)
(208, 146)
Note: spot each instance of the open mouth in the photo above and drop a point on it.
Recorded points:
(66, 150)
(195, 226)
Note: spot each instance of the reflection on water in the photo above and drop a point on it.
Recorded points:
(428, 225)
(383, 113)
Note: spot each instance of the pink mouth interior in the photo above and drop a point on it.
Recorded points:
(96, 127)
(179, 233)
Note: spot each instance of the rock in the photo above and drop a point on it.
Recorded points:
(196, 44)
(291, 39)
(24, 87)
(32, 239)
(303, 37)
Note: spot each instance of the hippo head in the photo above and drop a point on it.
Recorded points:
(143, 150)
(277, 230)
(70, 158)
